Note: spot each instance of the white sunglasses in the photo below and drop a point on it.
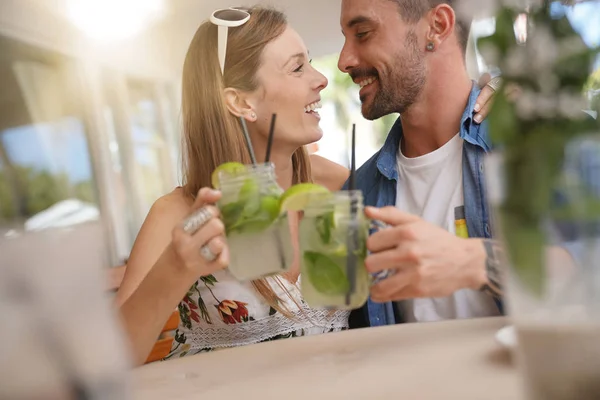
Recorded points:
(227, 18)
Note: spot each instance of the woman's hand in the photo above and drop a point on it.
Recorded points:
(485, 100)
(199, 242)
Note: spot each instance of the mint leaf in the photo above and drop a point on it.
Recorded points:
(325, 275)
(324, 225)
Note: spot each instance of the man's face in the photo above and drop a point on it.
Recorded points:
(383, 54)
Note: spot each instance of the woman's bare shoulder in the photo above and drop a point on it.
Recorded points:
(153, 237)
(328, 173)
(174, 202)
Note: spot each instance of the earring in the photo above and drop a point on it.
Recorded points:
(430, 46)
(253, 115)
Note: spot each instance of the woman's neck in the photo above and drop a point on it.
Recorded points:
(280, 157)
(284, 169)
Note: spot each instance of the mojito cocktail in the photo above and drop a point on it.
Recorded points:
(258, 234)
(325, 247)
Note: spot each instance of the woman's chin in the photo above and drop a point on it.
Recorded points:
(309, 136)
(316, 135)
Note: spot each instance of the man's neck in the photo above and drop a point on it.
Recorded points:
(435, 118)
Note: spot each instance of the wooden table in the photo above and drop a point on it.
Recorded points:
(449, 360)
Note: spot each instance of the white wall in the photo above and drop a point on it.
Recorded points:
(147, 55)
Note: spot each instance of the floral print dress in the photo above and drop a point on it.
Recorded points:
(219, 312)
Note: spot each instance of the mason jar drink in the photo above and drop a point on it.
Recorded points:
(328, 247)
(258, 234)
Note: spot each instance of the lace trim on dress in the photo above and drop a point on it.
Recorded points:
(215, 336)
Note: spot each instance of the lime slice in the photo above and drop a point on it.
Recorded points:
(231, 213)
(270, 205)
(249, 196)
(254, 215)
(264, 216)
(229, 168)
(254, 225)
(299, 196)
(339, 251)
(325, 275)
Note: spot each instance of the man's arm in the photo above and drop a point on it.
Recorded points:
(558, 261)
(428, 261)
(495, 262)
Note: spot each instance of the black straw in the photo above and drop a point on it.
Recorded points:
(353, 225)
(270, 140)
(248, 141)
(276, 237)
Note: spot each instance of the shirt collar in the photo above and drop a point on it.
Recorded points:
(470, 131)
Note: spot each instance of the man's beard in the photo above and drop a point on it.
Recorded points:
(402, 86)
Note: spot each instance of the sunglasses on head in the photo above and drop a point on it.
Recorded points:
(227, 18)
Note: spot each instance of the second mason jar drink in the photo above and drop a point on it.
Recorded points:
(326, 246)
(258, 235)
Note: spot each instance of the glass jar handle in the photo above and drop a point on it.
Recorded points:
(376, 225)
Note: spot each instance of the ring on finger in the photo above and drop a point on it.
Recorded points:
(212, 249)
(495, 83)
(197, 220)
(207, 253)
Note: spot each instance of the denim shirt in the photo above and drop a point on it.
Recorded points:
(378, 177)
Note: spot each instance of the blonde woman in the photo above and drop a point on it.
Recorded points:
(267, 70)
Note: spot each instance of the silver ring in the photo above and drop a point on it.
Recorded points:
(197, 220)
(381, 276)
(378, 225)
(495, 83)
(207, 253)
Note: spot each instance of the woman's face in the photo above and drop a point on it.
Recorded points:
(290, 87)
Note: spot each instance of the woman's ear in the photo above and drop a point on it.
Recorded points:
(239, 104)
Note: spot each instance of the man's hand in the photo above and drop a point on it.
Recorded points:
(427, 260)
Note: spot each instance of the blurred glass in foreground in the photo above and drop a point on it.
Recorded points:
(544, 183)
(59, 339)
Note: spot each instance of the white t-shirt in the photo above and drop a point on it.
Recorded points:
(431, 187)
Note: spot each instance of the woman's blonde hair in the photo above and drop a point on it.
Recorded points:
(211, 134)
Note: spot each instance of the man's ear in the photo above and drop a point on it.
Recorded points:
(240, 104)
(442, 21)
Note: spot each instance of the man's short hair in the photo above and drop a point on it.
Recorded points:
(413, 10)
